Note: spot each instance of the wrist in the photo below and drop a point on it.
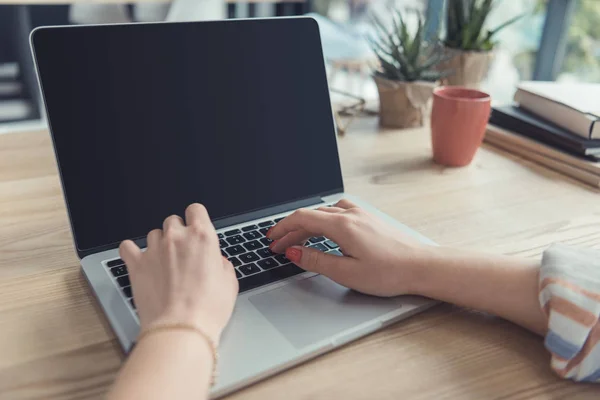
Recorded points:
(179, 339)
(419, 270)
(197, 318)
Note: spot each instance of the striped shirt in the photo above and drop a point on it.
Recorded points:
(570, 297)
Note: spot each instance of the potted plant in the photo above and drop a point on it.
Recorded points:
(468, 45)
(407, 72)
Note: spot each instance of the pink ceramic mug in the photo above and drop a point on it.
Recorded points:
(458, 120)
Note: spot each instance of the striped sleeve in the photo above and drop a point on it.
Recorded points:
(570, 297)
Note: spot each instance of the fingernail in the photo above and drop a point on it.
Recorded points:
(269, 232)
(293, 254)
(272, 244)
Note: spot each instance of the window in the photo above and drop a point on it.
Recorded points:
(517, 46)
(582, 56)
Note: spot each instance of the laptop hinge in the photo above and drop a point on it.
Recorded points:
(265, 212)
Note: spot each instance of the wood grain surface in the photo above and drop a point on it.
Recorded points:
(55, 342)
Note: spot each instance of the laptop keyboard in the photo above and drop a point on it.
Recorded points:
(247, 249)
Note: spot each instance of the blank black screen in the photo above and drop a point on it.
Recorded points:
(148, 118)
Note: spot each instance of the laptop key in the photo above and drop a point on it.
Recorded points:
(234, 261)
(266, 223)
(249, 228)
(249, 269)
(317, 239)
(115, 263)
(118, 271)
(279, 219)
(253, 245)
(124, 281)
(282, 259)
(238, 274)
(248, 257)
(320, 247)
(264, 231)
(335, 253)
(127, 291)
(222, 243)
(266, 241)
(232, 232)
(132, 302)
(267, 263)
(265, 253)
(269, 276)
(220, 236)
(235, 239)
(252, 235)
(331, 244)
(235, 250)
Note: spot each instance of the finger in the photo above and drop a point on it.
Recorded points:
(130, 252)
(153, 238)
(345, 204)
(291, 239)
(338, 268)
(331, 209)
(301, 236)
(315, 222)
(173, 222)
(196, 214)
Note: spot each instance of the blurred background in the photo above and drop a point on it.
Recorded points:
(555, 40)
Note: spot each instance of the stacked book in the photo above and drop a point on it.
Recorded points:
(553, 124)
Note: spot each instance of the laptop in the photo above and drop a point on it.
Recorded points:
(148, 118)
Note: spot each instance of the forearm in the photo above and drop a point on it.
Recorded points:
(501, 285)
(166, 365)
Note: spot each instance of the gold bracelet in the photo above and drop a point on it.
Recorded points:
(186, 327)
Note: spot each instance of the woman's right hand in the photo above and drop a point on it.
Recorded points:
(182, 277)
(378, 258)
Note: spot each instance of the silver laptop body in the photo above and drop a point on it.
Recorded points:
(273, 327)
(276, 326)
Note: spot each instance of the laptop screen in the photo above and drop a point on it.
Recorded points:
(148, 118)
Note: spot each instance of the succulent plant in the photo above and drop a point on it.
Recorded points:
(464, 25)
(405, 57)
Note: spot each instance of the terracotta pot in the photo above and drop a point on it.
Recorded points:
(458, 121)
(403, 104)
(467, 68)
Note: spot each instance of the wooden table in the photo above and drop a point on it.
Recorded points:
(55, 343)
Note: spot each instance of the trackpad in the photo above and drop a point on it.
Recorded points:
(314, 309)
